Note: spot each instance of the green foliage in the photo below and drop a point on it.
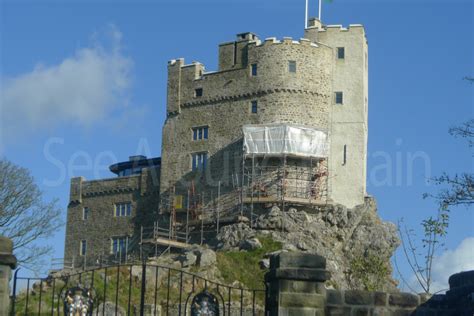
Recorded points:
(369, 271)
(242, 266)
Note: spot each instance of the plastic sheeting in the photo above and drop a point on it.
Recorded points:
(285, 139)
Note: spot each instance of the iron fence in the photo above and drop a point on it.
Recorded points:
(132, 289)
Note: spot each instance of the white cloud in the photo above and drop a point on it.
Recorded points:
(448, 263)
(451, 262)
(81, 90)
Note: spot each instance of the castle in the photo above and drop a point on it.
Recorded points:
(280, 121)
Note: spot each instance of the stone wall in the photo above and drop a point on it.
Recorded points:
(305, 97)
(7, 264)
(100, 196)
(296, 287)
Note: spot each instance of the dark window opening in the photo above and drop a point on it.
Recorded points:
(200, 133)
(341, 53)
(85, 213)
(83, 249)
(199, 161)
(123, 209)
(235, 53)
(254, 70)
(292, 66)
(119, 245)
(254, 106)
(344, 155)
(198, 92)
(339, 98)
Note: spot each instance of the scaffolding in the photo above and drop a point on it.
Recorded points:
(281, 164)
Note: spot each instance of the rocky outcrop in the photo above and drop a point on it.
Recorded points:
(335, 232)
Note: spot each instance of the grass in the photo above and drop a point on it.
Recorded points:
(243, 266)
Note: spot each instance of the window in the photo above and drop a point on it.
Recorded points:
(254, 70)
(254, 106)
(199, 161)
(341, 53)
(339, 98)
(130, 171)
(201, 132)
(83, 248)
(198, 92)
(292, 66)
(344, 155)
(85, 213)
(119, 245)
(123, 209)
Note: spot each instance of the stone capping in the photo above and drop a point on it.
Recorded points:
(6, 253)
(298, 266)
(252, 94)
(298, 274)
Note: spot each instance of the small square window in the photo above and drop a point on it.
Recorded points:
(341, 53)
(123, 209)
(83, 248)
(200, 133)
(254, 70)
(339, 98)
(254, 106)
(119, 245)
(198, 92)
(292, 66)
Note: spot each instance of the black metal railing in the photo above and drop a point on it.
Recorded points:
(144, 289)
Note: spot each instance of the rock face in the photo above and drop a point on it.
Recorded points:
(339, 234)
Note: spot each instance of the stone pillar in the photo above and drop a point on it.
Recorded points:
(295, 285)
(7, 263)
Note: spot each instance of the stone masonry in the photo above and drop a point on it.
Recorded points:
(295, 286)
(305, 97)
(101, 224)
(7, 264)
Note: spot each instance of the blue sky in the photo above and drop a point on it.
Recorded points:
(419, 51)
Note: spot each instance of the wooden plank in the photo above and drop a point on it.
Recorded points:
(166, 242)
(275, 199)
(222, 221)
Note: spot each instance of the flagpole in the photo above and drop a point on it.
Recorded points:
(320, 6)
(306, 15)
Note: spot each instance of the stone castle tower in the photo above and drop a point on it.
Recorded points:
(273, 105)
(279, 122)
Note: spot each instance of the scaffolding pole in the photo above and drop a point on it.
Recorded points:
(187, 216)
(126, 249)
(242, 185)
(218, 205)
(141, 242)
(155, 236)
(252, 187)
(202, 217)
(283, 185)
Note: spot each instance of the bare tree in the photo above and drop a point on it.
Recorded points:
(421, 253)
(24, 217)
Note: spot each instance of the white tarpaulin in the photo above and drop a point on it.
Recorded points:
(281, 139)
